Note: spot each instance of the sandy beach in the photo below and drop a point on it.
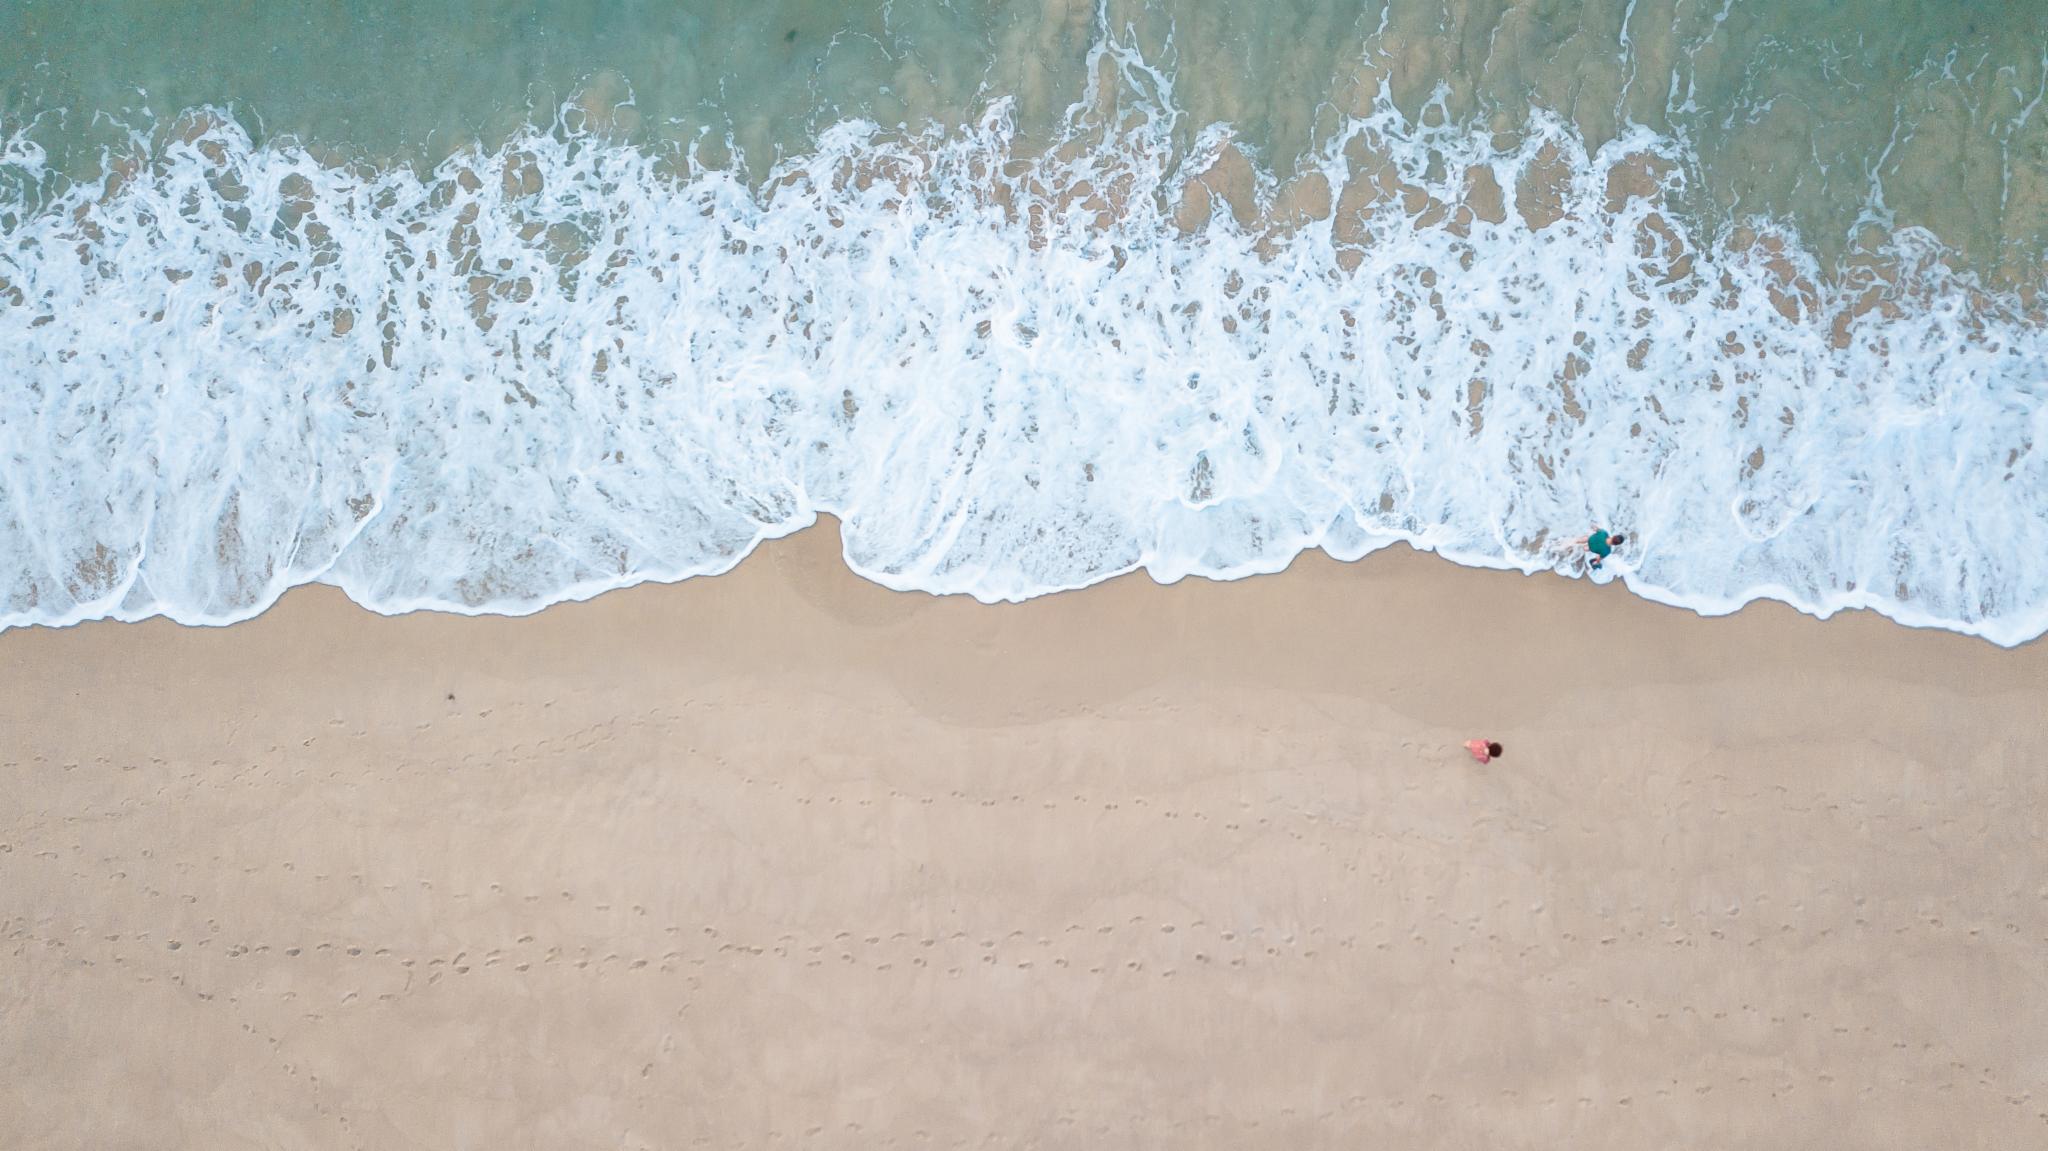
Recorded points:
(783, 859)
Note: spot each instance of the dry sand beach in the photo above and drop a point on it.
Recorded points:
(475, 305)
(780, 858)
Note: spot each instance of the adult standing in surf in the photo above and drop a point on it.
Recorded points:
(1599, 545)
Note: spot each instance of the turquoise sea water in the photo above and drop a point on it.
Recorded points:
(480, 306)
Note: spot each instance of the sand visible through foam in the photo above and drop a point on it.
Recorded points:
(1479, 283)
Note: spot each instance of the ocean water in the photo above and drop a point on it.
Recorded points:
(480, 307)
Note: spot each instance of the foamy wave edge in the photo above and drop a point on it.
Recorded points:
(564, 368)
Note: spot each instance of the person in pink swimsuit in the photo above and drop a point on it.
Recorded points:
(1483, 750)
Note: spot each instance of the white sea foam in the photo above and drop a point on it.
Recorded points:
(242, 369)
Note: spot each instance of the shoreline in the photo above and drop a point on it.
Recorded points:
(1773, 597)
(781, 852)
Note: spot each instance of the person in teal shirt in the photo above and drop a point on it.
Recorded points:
(1601, 544)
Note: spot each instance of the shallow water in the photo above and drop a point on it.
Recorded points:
(485, 306)
(1816, 112)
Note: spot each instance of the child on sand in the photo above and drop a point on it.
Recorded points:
(1483, 750)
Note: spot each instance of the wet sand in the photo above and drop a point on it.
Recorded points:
(784, 859)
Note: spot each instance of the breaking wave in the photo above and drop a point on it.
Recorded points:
(571, 364)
